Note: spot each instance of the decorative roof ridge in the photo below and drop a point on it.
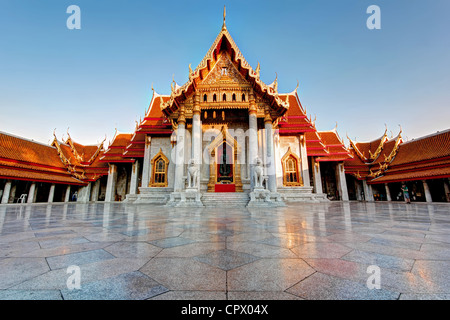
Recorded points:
(384, 138)
(398, 140)
(360, 155)
(97, 152)
(71, 168)
(427, 136)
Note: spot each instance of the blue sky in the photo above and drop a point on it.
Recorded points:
(99, 78)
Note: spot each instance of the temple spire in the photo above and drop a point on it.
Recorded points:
(224, 27)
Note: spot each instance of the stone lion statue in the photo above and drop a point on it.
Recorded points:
(193, 174)
(258, 173)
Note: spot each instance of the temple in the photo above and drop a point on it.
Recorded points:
(224, 138)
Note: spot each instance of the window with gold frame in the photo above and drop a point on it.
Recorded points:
(160, 163)
(291, 173)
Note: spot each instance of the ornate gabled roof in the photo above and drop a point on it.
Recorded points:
(378, 161)
(84, 154)
(80, 160)
(224, 42)
(368, 152)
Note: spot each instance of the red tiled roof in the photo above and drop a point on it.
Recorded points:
(115, 151)
(422, 174)
(334, 146)
(23, 159)
(39, 176)
(429, 147)
(424, 158)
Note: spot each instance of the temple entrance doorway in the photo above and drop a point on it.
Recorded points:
(225, 168)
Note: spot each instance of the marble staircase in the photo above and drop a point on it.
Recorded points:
(225, 199)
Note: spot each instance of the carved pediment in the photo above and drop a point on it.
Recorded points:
(224, 73)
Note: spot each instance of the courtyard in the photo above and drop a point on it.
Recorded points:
(301, 251)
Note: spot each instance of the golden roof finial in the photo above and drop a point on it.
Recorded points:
(257, 70)
(224, 27)
(275, 83)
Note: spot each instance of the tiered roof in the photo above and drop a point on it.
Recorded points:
(224, 42)
(336, 150)
(22, 159)
(115, 151)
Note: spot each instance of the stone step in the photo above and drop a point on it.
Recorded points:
(225, 199)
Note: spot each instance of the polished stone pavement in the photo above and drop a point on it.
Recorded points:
(302, 251)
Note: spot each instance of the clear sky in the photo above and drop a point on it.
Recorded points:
(99, 78)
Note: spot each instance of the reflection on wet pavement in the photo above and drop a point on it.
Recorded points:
(302, 251)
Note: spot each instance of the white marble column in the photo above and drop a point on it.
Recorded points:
(426, 188)
(179, 182)
(447, 189)
(317, 177)
(84, 194)
(196, 144)
(111, 183)
(358, 189)
(134, 183)
(196, 130)
(304, 161)
(146, 166)
(388, 192)
(6, 191)
(51, 193)
(252, 137)
(342, 182)
(95, 190)
(270, 153)
(368, 194)
(67, 195)
(31, 198)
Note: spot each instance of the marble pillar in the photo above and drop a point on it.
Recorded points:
(134, 183)
(146, 166)
(304, 161)
(426, 188)
(252, 137)
(341, 181)
(31, 198)
(179, 182)
(6, 191)
(270, 153)
(317, 177)
(388, 192)
(51, 193)
(111, 183)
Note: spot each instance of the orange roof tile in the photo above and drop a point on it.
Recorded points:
(433, 146)
(33, 175)
(23, 159)
(16, 148)
(423, 173)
